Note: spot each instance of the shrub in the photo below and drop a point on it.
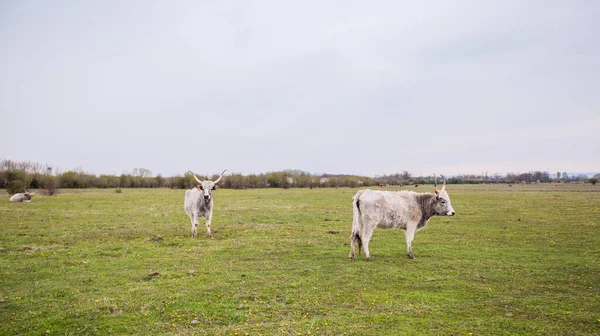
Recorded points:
(15, 186)
(49, 184)
(15, 181)
(178, 182)
(69, 180)
(108, 181)
(125, 181)
(160, 180)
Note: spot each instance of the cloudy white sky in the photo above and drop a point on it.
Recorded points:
(357, 87)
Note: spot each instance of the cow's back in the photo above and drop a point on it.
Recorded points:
(387, 209)
(18, 197)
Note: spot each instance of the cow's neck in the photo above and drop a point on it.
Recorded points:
(426, 202)
(204, 203)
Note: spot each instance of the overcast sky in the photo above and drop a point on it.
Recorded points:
(356, 87)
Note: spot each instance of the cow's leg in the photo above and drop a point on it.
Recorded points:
(355, 238)
(352, 247)
(356, 228)
(411, 228)
(208, 220)
(194, 225)
(366, 237)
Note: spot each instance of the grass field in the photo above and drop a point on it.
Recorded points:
(513, 261)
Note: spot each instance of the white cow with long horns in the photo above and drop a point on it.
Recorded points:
(22, 197)
(406, 210)
(199, 202)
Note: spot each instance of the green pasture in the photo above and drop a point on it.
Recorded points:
(522, 260)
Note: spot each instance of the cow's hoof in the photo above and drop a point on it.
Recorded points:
(351, 258)
(411, 256)
(369, 259)
(210, 236)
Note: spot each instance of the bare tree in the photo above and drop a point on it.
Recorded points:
(141, 172)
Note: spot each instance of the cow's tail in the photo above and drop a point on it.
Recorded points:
(356, 221)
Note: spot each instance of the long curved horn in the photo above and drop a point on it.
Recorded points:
(444, 185)
(220, 177)
(197, 179)
(435, 183)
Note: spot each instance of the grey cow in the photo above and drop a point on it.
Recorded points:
(395, 210)
(22, 197)
(199, 203)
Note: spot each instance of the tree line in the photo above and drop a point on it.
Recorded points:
(18, 176)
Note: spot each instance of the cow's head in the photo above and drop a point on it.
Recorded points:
(443, 207)
(206, 187)
(28, 195)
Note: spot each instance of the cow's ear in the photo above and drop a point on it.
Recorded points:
(199, 187)
(215, 187)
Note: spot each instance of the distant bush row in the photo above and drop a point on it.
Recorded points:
(18, 180)
(17, 176)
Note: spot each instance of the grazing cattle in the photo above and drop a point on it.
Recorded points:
(199, 202)
(22, 197)
(395, 210)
